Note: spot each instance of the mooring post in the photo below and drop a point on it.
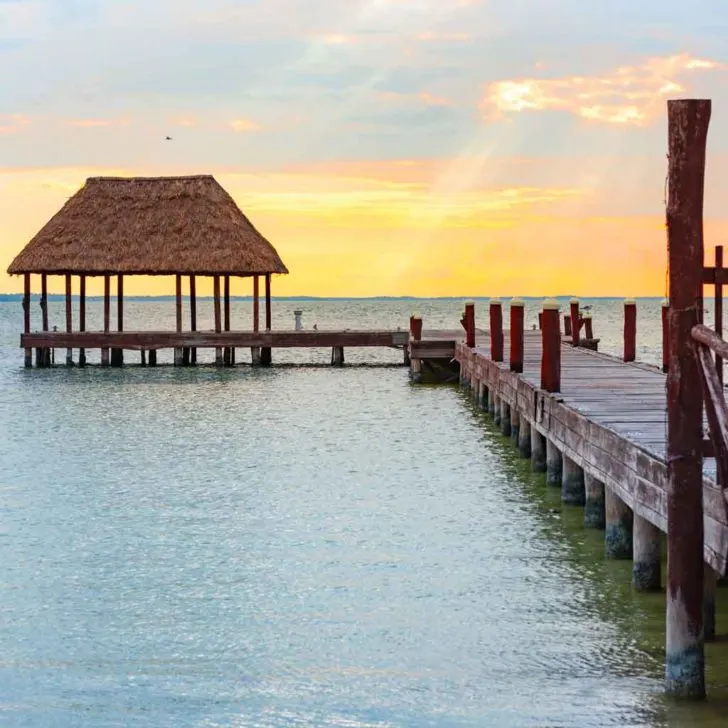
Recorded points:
(496, 330)
(567, 324)
(646, 555)
(618, 527)
(551, 347)
(107, 317)
(26, 319)
(82, 318)
(538, 451)
(630, 329)
(688, 122)
(594, 502)
(517, 324)
(470, 324)
(524, 437)
(572, 483)
(554, 464)
(575, 320)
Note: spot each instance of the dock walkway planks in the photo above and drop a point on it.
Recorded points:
(610, 418)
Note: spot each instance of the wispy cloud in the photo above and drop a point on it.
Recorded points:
(244, 125)
(10, 123)
(627, 95)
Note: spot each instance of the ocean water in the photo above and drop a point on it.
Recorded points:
(305, 546)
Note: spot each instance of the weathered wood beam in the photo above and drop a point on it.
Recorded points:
(688, 122)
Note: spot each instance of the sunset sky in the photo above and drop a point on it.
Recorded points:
(385, 147)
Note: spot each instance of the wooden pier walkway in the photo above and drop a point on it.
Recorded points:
(609, 420)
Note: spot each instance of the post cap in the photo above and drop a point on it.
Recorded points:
(495, 302)
(517, 302)
(587, 316)
(470, 303)
(416, 315)
(630, 302)
(551, 304)
(573, 300)
(666, 303)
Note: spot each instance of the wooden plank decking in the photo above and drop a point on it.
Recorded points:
(610, 419)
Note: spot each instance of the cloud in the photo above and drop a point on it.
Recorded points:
(630, 95)
(97, 123)
(244, 125)
(11, 123)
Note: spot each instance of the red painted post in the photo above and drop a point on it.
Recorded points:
(470, 324)
(496, 330)
(575, 321)
(567, 325)
(416, 327)
(551, 351)
(517, 323)
(665, 336)
(630, 329)
(540, 320)
(688, 122)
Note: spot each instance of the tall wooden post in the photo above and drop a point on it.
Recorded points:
(470, 324)
(43, 356)
(26, 319)
(256, 303)
(575, 321)
(567, 324)
(416, 327)
(69, 319)
(551, 347)
(588, 330)
(179, 351)
(218, 326)
(665, 336)
(496, 330)
(227, 355)
(107, 317)
(193, 316)
(630, 329)
(82, 318)
(688, 122)
(117, 354)
(266, 357)
(719, 305)
(517, 323)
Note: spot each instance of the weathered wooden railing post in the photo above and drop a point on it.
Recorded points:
(588, 330)
(665, 336)
(496, 330)
(630, 329)
(575, 320)
(567, 324)
(551, 348)
(688, 122)
(517, 323)
(470, 324)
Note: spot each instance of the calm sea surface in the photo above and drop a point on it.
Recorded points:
(305, 546)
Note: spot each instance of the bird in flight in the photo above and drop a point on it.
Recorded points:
(168, 139)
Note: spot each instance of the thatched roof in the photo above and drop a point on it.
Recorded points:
(149, 226)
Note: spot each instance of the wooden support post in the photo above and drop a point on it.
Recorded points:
(179, 354)
(193, 315)
(107, 317)
(496, 410)
(266, 357)
(255, 351)
(227, 354)
(618, 527)
(416, 327)
(646, 555)
(143, 357)
(117, 355)
(524, 437)
(337, 356)
(665, 336)
(69, 318)
(45, 354)
(218, 323)
(470, 324)
(505, 418)
(630, 329)
(496, 330)
(82, 318)
(516, 326)
(572, 484)
(588, 330)
(26, 318)
(567, 324)
(515, 424)
(718, 318)
(594, 502)
(538, 451)
(152, 357)
(551, 347)
(554, 464)
(575, 321)
(688, 122)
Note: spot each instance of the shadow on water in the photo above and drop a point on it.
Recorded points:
(638, 617)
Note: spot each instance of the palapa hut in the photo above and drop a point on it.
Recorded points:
(149, 226)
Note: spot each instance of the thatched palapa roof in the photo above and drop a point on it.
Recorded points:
(149, 226)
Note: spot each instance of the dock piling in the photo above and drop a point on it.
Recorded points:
(470, 324)
(538, 451)
(554, 464)
(575, 320)
(594, 502)
(618, 527)
(646, 555)
(337, 356)
(524, 437)
(630, 329)
(551, 351)
(505, 418)
(496, 330)
(517, 326)
(572, 483)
